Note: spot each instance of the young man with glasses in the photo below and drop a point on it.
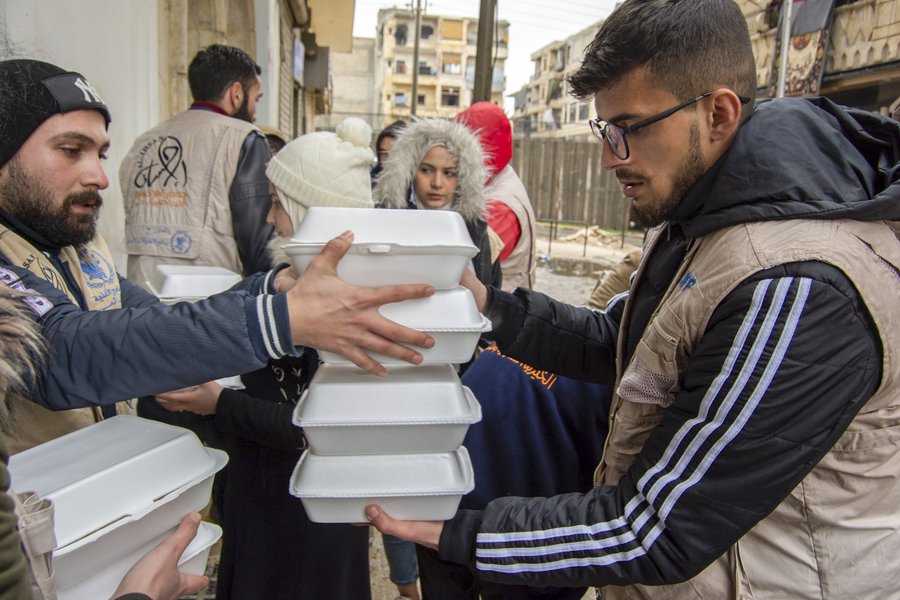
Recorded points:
(753, 437)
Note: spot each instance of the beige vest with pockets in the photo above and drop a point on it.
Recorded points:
(175, 182)
(93, 268)
(837, 534)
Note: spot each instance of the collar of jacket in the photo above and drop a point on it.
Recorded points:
(201, 105)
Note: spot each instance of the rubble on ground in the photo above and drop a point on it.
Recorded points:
(596, 235)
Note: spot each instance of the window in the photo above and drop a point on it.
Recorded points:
(401, 67)
(583, 112)
(425, 69)
(452, 30)
(450, 96)
(420, 100)
(400, 35)
(427, 32)
(451, 64)
(401, 99)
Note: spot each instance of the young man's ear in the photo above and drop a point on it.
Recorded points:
(234, 96)
(725, 116)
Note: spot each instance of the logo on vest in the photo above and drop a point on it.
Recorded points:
(688, 281)
(161, 164)
(181, 242)
(97, 270)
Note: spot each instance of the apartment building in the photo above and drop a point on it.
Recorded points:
(861, 69)
(352, 90)
(446, 68)
(543, 106)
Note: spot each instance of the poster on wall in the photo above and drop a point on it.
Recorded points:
(810, 24)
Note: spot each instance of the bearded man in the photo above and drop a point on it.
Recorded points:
(194, 186)
(109, 340)
(752, 447)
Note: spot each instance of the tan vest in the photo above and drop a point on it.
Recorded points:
(175, 182)
(837, 535)
(93, 268)
(518, 267)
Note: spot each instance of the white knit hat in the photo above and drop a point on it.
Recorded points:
(324, 169)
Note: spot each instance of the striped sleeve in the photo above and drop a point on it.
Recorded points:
(269, 312)
(783, 367)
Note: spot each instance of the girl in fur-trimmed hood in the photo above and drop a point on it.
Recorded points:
(438, 164)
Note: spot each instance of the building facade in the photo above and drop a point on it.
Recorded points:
(352, 89)
(861, 66)
(446, 69)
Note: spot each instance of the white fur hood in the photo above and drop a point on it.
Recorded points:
(393, 185)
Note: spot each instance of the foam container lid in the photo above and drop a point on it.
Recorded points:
(445, 310)
(394, 228)
(110, 471)
(188, 282)
(346, 395)
(383, 475)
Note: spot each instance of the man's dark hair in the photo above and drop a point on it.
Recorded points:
(690, 47)
(217, 67)
(392, 130)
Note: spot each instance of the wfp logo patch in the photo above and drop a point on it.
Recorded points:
(688, 281)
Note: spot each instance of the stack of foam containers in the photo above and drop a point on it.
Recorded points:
(119, 488)
(396, 440)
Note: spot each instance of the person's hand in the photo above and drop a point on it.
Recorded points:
(424, 533)
(157, 575)
(285, 279)
(201, 399)
(330, 314)
(470, 280)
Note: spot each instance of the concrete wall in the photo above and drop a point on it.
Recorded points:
(114, 45)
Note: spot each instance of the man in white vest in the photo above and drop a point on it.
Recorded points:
(196, 192)
(753, 435)
(109, 340)
(195, 186)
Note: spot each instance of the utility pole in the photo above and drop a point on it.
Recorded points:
(415, 85)
(484, 52)
(785, 44)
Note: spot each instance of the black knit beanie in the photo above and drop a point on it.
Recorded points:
(31, 92)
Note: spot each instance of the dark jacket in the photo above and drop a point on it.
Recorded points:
(793, 159)
(147, 347)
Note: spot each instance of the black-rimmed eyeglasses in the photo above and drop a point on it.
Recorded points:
(614, 135)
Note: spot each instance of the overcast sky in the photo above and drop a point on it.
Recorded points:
(533, 24)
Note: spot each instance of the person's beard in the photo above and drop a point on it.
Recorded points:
(691, 170)
(243, 111)
(27, 199)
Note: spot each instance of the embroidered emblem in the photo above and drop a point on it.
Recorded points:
(37, 303)
(181, 242)
(97, 270)
(688, 281)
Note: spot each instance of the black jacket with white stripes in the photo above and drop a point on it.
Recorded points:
(829, 367)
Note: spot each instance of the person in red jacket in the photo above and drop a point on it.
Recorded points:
(509, 213)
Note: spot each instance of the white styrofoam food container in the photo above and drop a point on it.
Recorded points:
(174, 283)
(449, 316)
(102, 583)
(389, 246)
(113, 473)
(412, 409)
(337, 489)
(93, 553)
